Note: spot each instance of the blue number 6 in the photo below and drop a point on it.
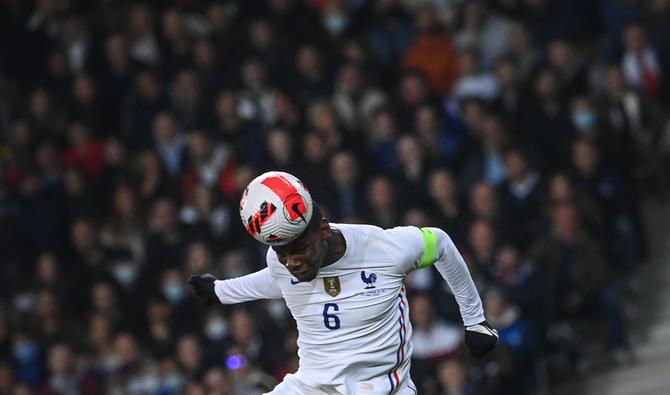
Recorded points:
(331, 321)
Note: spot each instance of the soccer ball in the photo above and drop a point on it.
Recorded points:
(275, 208)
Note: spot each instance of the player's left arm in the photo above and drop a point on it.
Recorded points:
(437, 248)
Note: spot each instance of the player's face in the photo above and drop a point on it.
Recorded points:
(304, 256)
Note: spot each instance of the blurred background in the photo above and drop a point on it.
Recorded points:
(535, 132)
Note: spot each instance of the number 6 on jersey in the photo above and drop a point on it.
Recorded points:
(331, 321)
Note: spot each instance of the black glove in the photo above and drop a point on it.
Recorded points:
(203, 286)
(480, 339)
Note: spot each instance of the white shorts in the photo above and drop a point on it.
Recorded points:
(291, 385)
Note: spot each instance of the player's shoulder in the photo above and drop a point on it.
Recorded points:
(375, 232)
(373, 238)
(357, 231)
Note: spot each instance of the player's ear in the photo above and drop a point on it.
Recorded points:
(324, 228)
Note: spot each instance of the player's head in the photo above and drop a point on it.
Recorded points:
(304, 256)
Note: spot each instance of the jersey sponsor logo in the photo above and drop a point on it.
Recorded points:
(368, 280)
(294, 281)
(332, 286)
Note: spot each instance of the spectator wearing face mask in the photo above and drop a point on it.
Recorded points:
(184, 314)
(217, 341)
(171, 378)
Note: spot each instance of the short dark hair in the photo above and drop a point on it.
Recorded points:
(315, 222)
(313, 226)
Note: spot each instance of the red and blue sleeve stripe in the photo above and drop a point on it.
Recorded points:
(393, 377)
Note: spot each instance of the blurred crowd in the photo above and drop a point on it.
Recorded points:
(529, 130)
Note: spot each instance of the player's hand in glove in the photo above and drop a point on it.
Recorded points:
(480, 339)
(203, 286)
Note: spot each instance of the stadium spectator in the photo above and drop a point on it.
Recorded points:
(453, 378)
(449, 211)
(431, 40)
(434, 340)
(516, 333)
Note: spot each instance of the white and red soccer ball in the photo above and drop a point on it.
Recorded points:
(275, 208)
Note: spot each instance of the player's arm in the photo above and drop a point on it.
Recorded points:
(439, 250)
(254, 286)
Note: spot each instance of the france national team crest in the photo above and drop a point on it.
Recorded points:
(332, 285)
(369, 280)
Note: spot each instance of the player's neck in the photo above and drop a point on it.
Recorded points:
(336, 245)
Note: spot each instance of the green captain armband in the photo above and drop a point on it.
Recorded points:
(429, 248)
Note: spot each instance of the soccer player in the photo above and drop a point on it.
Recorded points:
(344, 286)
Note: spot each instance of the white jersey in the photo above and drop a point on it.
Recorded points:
(353, 319)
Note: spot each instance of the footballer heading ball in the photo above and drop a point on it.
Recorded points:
(276, 208)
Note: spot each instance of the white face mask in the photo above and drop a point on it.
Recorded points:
(277, 309)
(336, 22)
(173, 382)
(174, 292)
(216, 329)
(125, 273)
(584, 120)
